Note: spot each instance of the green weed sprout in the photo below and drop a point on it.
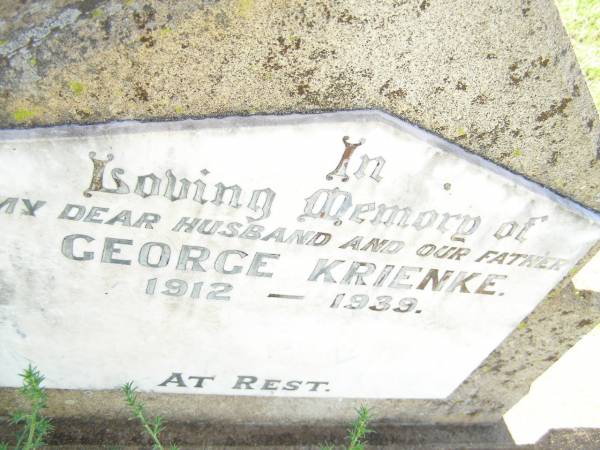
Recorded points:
(154, 428)
(359, 430)
(36, 426)
(357, 434)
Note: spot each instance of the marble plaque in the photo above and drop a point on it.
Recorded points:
(334, 255)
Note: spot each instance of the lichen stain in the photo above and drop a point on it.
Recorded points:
(148, 41)
(385, 86)
(302, 89)
(481, 99)
(294, 44)
(516, 78)
(141, 93)
(584, 323)
(398, 93)
(142, 19)
(555, 108)
(543, 62)
(83, 114)
(590, 124)
(384, 90)
(347, 18)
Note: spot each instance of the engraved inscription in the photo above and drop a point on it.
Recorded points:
(175, 257)
(340, 170)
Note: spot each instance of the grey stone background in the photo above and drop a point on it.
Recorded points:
(497, 77)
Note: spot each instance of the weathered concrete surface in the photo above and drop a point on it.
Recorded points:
(576, 439)
(490, 437)
(217, 437)
(497, 77)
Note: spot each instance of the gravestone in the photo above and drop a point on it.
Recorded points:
(260, 277)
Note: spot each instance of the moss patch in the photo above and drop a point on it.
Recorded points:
(76, 87)
(24, 115)
(245, 7)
